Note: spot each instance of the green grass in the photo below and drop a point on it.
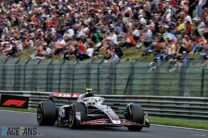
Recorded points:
(25, 54)
(132, 53)
(153, 120)
(180, 122)
(32, 110)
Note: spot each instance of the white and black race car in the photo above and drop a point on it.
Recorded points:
(90, 110)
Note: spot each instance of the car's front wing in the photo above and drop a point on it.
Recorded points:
(107, 122)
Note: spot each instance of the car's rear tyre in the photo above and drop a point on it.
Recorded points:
(46, 113)
(135, 113)
(75, 109)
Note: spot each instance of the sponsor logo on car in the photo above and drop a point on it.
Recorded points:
(66, 95)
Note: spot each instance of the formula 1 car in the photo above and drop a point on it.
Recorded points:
(89, 110)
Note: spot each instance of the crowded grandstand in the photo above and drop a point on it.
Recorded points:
(83, 29)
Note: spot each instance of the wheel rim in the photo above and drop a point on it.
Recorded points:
(70, 118)
(39, 114)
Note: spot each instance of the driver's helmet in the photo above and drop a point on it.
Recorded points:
(88, 89)
(88, 92)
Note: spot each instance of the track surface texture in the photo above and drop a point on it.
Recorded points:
(18, 119)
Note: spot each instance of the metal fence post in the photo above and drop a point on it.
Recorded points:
(128, 88)
(110, 78)
(48, 79)
(115, 78)
(98, 77)
(24, 77)
(72, 83)
(88, 68)
(34, 76)
(182, 80)
(3, 73)
(16, 74)
(3, 77)
(60, 73)
(202, 82)
(69, 73)
(156, 81)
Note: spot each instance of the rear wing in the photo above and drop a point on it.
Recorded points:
(65, 95)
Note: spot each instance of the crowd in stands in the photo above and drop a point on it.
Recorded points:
(171, 29)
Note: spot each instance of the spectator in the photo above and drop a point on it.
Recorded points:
(204, 53)
(147, 37)
(39, 54)
(59, 45)
(199, 8)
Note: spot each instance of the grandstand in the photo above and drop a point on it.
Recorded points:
(110, 29)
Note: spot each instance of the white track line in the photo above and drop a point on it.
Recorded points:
(17, 111)
(150, 124)
(180, 127)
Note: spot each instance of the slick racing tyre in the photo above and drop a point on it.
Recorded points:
(77, 114)
(135, 113)
(46, 113)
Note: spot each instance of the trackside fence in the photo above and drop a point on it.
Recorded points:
(120, 78)
(161, 106)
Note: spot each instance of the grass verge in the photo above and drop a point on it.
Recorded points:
(153, 120)
(180, 122)
(19, 109)
(131, 54)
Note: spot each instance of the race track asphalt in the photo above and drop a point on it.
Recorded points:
(10, 119)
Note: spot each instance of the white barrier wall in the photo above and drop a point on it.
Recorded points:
(162, 106)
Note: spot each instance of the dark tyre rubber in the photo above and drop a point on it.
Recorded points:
(77, 108)
(134, 128)
(46, 113)
(135, 113)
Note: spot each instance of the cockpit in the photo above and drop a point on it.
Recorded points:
(92, 101)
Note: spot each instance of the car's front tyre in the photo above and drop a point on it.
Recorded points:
(46, 113)
(135, 113)
(77, 113)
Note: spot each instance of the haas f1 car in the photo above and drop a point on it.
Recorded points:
(90, 110)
